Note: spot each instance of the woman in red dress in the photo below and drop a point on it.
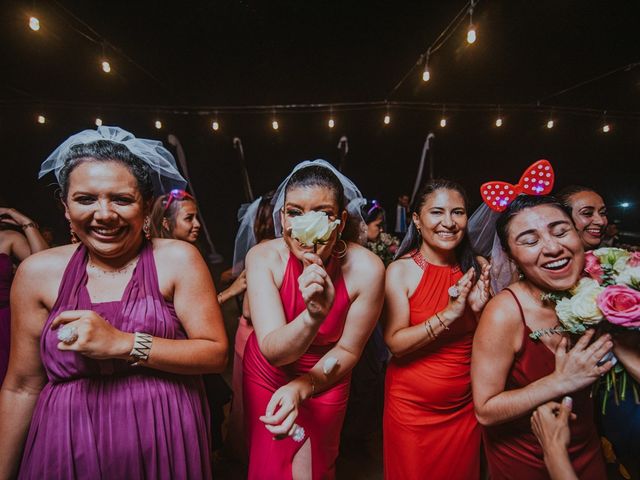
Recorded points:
(432, 299)
(513, 374)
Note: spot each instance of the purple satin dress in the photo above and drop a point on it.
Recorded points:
(6, 275)
(104, 418)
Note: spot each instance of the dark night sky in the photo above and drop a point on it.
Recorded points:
(207, 53)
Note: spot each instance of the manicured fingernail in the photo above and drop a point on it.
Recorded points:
(567, 402)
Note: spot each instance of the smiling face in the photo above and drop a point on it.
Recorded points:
(187, 225)
(442, 221)
(590, 217)
(105, 208)
(546, 247)
(301, 200)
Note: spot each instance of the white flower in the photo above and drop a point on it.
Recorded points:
(312, 227)
(583, 302)
(629, 276)
(566, 316)
(616, 258)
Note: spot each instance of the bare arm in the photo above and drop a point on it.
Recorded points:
(280, 342)
(194, 299)
(25, 377)
(494, 347)
(31, 242)
(625, 347)
(360, 322)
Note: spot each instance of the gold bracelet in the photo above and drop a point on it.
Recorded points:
(431, 330)
(313, 384)
(444, 325)
(425, 329)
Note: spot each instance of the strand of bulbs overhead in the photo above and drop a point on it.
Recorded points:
(331, 122)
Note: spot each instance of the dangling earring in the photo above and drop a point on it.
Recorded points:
(339, 252)
(74, 237)
(146, 227)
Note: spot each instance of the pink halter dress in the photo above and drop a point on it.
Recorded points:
(320, 416)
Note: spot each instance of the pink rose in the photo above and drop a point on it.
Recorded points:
(620, 305)
(634, 261)
(593, 267)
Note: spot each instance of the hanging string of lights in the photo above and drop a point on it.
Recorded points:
(213, 112)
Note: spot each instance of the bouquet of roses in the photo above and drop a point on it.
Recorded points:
(385, 247)
(608, 296)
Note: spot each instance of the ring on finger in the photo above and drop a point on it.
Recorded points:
(298, 433)
(68, 334)
(454, 291)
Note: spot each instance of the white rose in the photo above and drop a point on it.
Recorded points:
(616, 258)
(583, 302)
(629, 276)
(566, 315)
(312, 227)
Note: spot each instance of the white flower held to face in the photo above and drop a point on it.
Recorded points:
(312, 228)
(583, 303)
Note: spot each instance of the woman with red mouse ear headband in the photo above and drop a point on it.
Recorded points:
(511, 372)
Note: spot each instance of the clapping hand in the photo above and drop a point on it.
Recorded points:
(316, 287)
(481, 293)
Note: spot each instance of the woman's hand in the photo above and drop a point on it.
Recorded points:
(316, 287)
(481, 293)
(282, 409)
(580, 366)
(13, 217)
(96, 338)
(457, 305)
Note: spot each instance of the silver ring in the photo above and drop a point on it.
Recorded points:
(454, 291)
(298, 433)
(68, 334)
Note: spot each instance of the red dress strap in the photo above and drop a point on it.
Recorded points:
(517, 303)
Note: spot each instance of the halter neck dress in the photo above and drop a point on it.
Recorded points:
(6, 276)
(322, 415)
(512, 449)
(105, 418)
(429, 425)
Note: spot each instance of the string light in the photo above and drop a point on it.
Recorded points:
(606, 128)
(34, 24)
(471, 32)
(387, 119)
(550, 124)
(106, 66)
(158, 124)
(41, 119)
(275, 125)
(499, 122)
(98, 122)
(443, 122)
(331, 123)
(426, 74)
(215, 125)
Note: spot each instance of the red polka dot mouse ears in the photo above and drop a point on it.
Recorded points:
(536, 180)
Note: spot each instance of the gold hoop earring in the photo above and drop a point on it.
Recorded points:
(74, 237)
(146, 227)
(337, 252)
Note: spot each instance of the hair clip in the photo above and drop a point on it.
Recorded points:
(536, 180)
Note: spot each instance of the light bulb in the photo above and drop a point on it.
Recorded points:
(34, 24)
(499, 122)
(331, 123)
(471, 34)
(106, 66)
(625, 204)
(550, 124)
(606, 128)
(215, 125)
(41, 119)
(275, 125)
(98, 122)
(158, 124)
(426, 74)
(443, 122)
(387, 119)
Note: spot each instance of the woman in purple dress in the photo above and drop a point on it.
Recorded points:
(111, 335)
(14, 248)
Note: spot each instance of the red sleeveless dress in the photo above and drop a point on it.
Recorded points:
(512, 449)
(322, 415)
(430, 429)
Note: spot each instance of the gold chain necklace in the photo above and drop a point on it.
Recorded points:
(117, 271)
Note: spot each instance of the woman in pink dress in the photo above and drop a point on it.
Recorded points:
(313, 309)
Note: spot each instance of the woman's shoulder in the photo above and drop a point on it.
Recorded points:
(502, 310)
(174, 250)
(363, 260)
(48, 262)
(269, 250)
